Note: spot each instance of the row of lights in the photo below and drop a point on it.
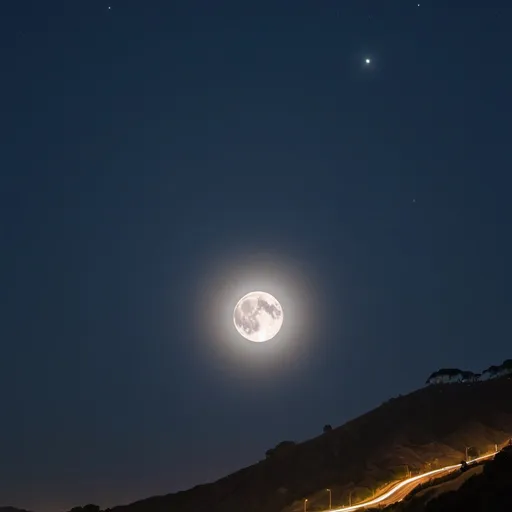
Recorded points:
(330, 500)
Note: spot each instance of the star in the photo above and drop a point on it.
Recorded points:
(367, 61)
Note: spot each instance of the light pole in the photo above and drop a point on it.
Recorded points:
(330, 498)
(350, 498)
(407, 472)
(305, 505)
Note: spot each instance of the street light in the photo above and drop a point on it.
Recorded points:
(330, 498)
(305, 505)
(408, 473)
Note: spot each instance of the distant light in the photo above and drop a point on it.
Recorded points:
(367, 61)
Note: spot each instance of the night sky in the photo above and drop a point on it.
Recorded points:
(160, 159)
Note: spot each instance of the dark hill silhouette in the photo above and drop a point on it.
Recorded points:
(12, 509)
(428, 428)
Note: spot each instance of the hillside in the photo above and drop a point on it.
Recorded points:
(428, 428)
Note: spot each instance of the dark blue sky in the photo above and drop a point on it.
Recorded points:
(161, 157)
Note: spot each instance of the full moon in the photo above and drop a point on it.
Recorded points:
(258, 316)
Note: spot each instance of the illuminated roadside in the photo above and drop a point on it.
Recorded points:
(403, 483)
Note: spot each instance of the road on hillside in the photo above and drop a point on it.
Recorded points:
(401, 493)
(402, 489)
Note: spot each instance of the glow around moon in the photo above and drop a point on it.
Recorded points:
(258, 316)
(219, 282)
